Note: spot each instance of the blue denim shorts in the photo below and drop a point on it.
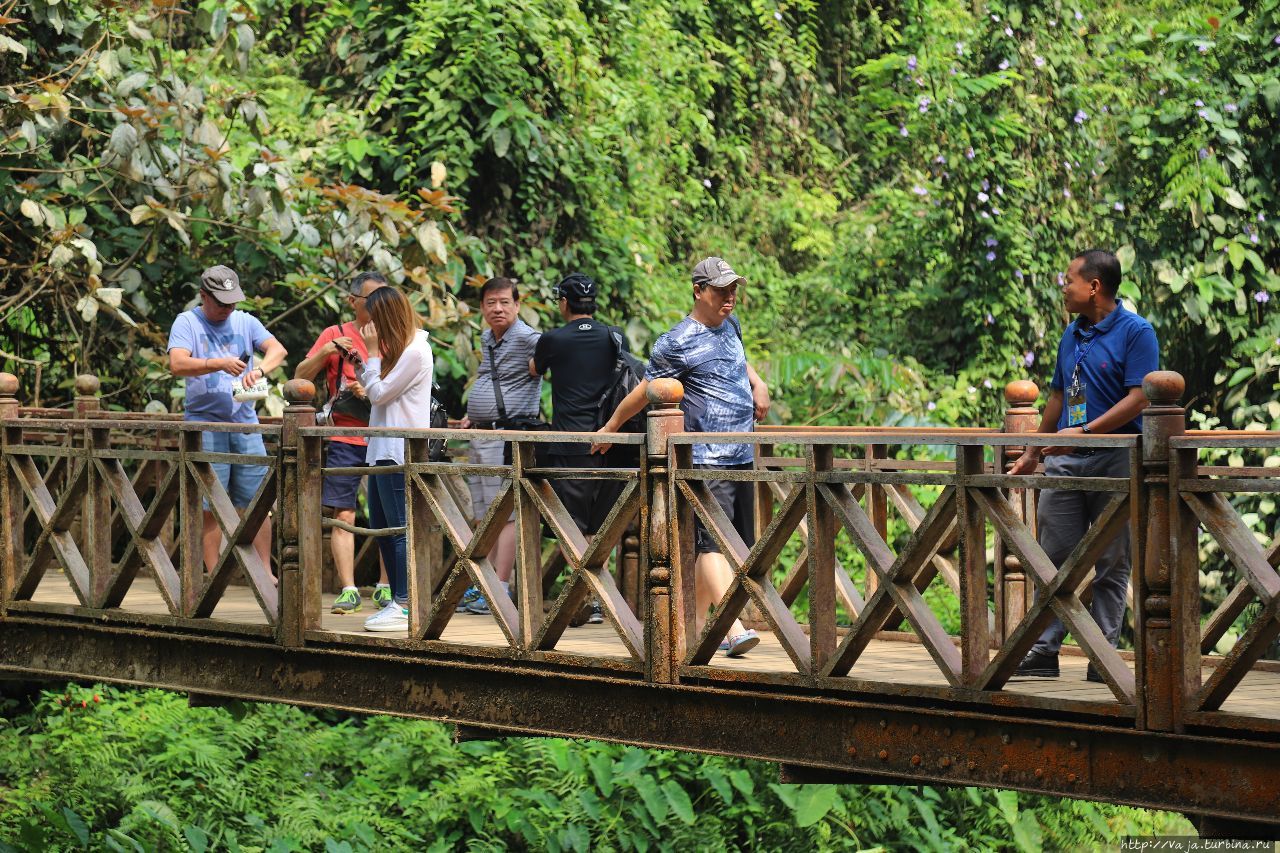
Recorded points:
(240, 481)
(339, 490)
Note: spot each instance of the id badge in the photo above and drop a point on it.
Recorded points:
(1076, 409)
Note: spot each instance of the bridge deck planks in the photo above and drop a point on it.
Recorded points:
(891, 662)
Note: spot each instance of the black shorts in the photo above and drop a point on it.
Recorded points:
(588, 501)
(339, 491)
(738, 500)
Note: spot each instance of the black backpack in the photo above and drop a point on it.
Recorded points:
(628, 372)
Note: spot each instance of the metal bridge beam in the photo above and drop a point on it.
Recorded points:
(913, 744)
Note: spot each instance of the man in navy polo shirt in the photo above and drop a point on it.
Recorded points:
(1097, 389)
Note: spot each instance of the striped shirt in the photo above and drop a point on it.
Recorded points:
(521, 393)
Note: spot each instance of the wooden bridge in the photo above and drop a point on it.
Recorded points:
(896, 572)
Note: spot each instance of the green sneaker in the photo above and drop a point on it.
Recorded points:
(382, 596)
(348, 601)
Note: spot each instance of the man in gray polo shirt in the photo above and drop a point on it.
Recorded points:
(504, 390)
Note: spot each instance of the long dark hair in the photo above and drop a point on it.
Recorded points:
(396, 322)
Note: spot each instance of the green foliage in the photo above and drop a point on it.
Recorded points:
(120, 769)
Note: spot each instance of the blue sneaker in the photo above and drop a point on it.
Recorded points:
(478, 606)
(468, 598)
(739, 644)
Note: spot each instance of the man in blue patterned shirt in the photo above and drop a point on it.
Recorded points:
(722, 393)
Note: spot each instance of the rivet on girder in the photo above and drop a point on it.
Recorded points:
(884, 755)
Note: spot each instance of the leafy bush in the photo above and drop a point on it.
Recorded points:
(124, 769)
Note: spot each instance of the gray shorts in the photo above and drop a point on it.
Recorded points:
(484, 490)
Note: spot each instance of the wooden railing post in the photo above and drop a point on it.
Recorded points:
(1012, 592)
(1158, 689)
(95, 514)
(11, 497)
(300, 534)
(664, 616)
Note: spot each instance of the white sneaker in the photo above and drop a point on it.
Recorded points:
(393, 617)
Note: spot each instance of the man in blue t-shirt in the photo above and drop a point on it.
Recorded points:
(212, 347)
(722, 393)
(1096, 389)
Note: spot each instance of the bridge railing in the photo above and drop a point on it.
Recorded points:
(863, 535)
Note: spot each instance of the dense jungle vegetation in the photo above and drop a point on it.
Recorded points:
(902, 183)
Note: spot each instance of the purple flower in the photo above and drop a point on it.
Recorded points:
(931, 406)
(1204, 114)
(1081, 116)
(1004, 65)
(1229, 108)
(992, 242)
(1079, 17)
(1062, 280)
(990, 320)
(986, 383)
(1018, 275)
(1066, 165)
(706, 182)
(1203, 48)
(986, 185)
(968, 153)
(902, 130)
(1262, 218)
(1119, 206)
(1261, 296)
(920, 82)
(1204, 153)
(777, 16)
(991, 256)
(983, 197)
(919, 190)
(954, 71)
(959, 48)
(940, 159)
(1008, 31)
(1276, 40)
(1039, 60)
(924, 104)
(1105, 108)
(999, 190)
(1029, 358)
(1199, 103)
(995, 211)
(1053, 22)
(911, 62)
(984, 214)
(1162, 90)
(1066, 193)
(1253, 237)
(973, 390)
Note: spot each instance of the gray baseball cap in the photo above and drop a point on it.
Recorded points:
(222, 284)
(715, 272)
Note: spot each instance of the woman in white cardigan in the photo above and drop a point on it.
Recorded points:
(397, 380)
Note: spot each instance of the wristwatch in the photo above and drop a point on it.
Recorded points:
(1085, 429)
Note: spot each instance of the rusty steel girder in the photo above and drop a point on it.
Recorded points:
(875, 738)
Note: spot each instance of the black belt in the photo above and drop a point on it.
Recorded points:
(484, 425)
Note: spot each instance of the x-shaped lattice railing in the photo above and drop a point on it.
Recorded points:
(1057, 592)
(55, 520)
(1260, 581)
(238, 530)
(525, 628)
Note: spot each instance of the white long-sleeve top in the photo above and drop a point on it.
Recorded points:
(401, 399)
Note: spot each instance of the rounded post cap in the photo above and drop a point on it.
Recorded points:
(1164, 387)
(1021, 392)
(8, 384)
(299, 391)
(667, 392)
(87, 385)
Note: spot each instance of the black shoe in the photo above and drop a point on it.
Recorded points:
(1093, 675)
(1038, 665)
